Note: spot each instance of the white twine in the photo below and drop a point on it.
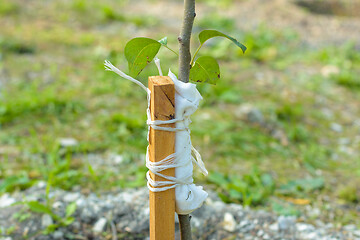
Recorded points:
(174, 160)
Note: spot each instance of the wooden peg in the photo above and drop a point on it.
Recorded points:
(162, 144)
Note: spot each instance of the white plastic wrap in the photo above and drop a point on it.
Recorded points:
(188, 196)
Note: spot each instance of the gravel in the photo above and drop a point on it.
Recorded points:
(125, 214)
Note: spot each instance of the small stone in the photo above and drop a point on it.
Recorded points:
(80, 202)
(58, 235)
(266, 236)
(329, 70)
(68, 142)
(350, 227)
(286, 222)
(243, 111)
(244, 223)
(99, 225)
(57, 205)
(255, 116)
(311, 235)
(248, 112)
(274, 227)
(314, 212)
(41, 184)
(76, 225)
(46, 220)
(357, 233)
(303, 227)
(336, 127)
(6, 200)
(229, 223)
(344, 141)
(195, 222)
(71, 197)
(6, 238)
(260, 233)
(117, 159)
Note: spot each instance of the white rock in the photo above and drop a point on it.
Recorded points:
(41, 184)
(314, 212)
(99, 225)
(229, 223)
(344, 141)
(80, 202)
(71, 197)
(126, 197)
(266, 236)
(58, 235)
(286, 222)
(195, 222)
(310, 235)
(68, 142)
(6, 200)
(336, 127)
(57, 205)
(46, 220)
(350, 227)
(274, 227)
(357, 233)
(303, 227)
(244, 223)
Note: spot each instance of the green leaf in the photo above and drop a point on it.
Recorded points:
(163, 41)
(70, 209)
(207, 34)
(235, 195)
(67, 221)
(39, 207)
(285, 209)
(13, 182)
(206, 69)
(302, 185)
(139, 52)
(92, 173)
(218, 178)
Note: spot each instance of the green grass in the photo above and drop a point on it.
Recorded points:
(55, 87)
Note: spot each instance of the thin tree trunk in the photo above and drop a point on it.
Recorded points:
(184, 70)
(185, 227)
(184, 40)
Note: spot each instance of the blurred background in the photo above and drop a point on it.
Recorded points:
(280, 131)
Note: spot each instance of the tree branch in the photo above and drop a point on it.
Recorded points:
(184, 71)
(184, 40)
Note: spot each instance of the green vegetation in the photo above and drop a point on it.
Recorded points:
(304, 144)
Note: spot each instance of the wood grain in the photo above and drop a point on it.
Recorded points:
(162, 144)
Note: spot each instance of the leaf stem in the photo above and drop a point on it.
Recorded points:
(171, 50)
(193, 58)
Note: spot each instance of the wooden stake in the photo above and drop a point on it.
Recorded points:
(162, 144)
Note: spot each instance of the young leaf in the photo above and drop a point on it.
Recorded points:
(39, 208)
(139, 52)
(206, 69)
(207, 34)
(163, 41)
(70, 209)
